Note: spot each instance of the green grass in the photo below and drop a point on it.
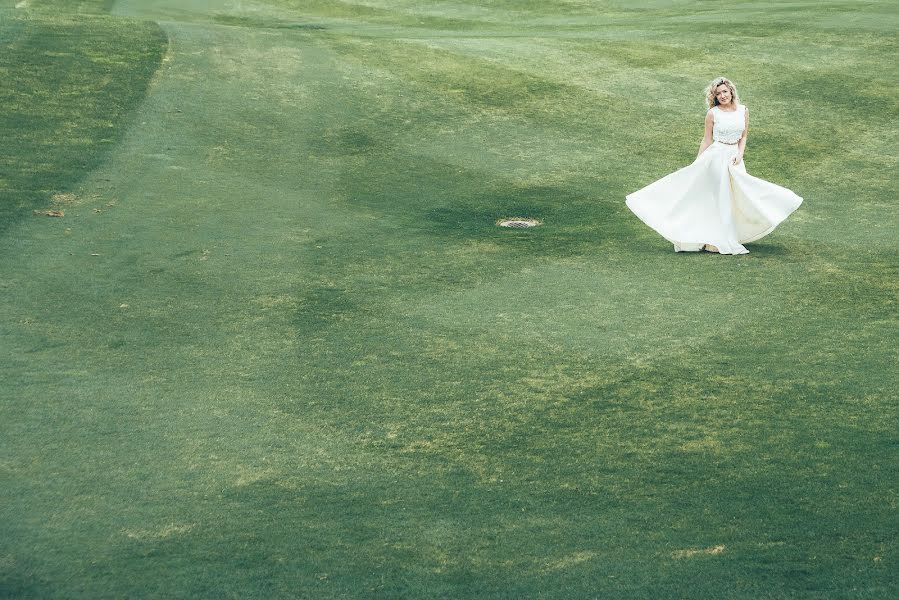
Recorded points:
(277, 347)
(70, 84)
(60, 7)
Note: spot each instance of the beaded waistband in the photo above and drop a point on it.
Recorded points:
(728, 143)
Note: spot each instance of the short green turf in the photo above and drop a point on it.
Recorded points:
(70, 84)
(277, 347)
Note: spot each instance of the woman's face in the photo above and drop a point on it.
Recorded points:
(722, 94)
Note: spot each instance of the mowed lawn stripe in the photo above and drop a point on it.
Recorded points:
(71, 84)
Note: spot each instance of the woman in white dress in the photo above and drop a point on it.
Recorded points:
(714, 204)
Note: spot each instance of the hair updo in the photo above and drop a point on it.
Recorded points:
(710, 98)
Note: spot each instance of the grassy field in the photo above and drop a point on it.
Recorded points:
(277, 347)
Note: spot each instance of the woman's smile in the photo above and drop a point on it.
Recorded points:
(723, 95)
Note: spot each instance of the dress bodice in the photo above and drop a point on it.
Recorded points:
(728, 126)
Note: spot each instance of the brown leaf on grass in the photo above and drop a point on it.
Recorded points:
(50, 212)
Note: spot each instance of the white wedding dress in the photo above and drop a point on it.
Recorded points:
(713, 201)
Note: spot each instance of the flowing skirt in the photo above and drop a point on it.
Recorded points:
(713, 202)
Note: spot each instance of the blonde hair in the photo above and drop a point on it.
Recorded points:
(710, 98)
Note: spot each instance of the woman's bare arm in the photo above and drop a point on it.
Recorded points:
(742, 143)
(707, 136)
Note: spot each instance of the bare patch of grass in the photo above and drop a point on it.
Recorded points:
(569, 560)
(64, 198)
(161, 533)
(691, 552)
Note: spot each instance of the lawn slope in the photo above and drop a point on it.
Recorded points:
(280, 349)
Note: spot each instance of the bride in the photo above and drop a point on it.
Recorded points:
(714, 204)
